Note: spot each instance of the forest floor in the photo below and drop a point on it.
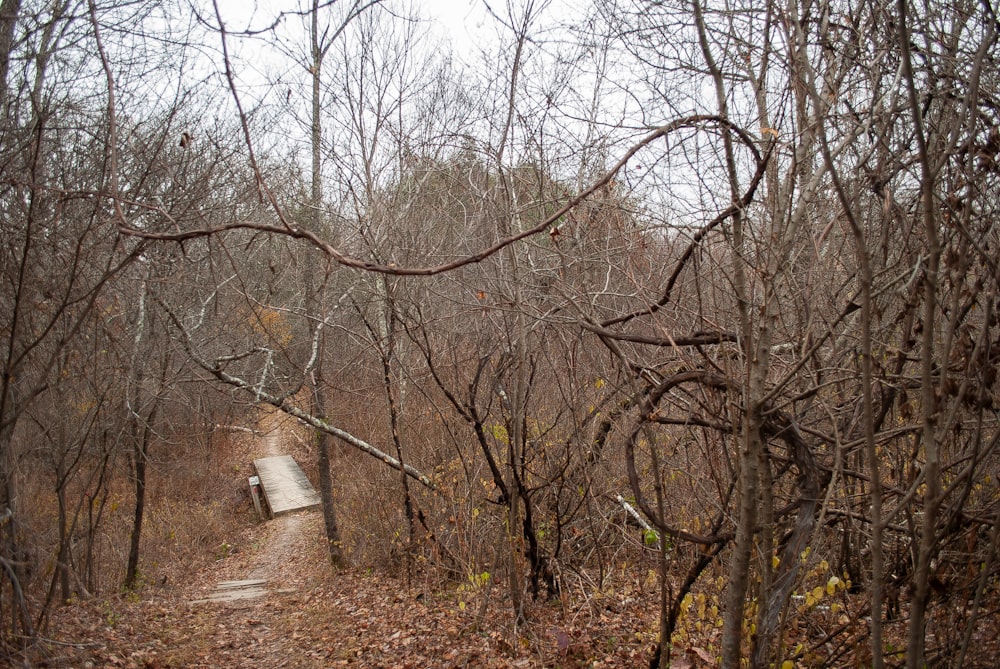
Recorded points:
(314, 616)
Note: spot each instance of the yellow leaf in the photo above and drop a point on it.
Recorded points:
(831, 585)
(817, 593)
(787, 664)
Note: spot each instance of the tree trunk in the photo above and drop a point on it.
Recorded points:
(388, 353)
(929, 399)
(62, 560)
(739, 565)
(326, 493)
(139, 454)
(9, 10)
(313, 298)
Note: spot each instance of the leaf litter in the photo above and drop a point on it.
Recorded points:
(312, 616)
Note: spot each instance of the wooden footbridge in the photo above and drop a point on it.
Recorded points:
(281, 486)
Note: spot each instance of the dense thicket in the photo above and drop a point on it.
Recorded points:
(707, 287)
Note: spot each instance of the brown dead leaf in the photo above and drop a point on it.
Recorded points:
(704, 655)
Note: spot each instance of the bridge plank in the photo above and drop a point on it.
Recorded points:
(285, 485)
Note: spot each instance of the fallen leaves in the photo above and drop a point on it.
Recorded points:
(311, 617)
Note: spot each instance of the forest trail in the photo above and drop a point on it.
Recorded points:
(294, 611)
(267, 573)
(237, 611)
(289, 527)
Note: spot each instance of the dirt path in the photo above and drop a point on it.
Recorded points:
(289, 529)
(274, 430)
(269, 570)
(239, 614)
(308, 616)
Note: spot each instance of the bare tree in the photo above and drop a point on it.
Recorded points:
(762, 302)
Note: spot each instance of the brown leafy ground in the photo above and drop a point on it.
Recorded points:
(315, 618)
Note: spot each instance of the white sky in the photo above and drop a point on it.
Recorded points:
(462, 22)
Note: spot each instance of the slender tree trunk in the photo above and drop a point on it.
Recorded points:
(141, 454)
(388, 354)
(868, 410)
(133, 395)
(929, 399)
(326, 486)
(314, 299)
(748, 429)
(739, 566)
(139, 458)
(8, 20)
(95, 513)
(62, 560)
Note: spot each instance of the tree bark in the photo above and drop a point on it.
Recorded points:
(139, 455)
(9, 10)
(314, 299)
(929, 398)
(326, 490)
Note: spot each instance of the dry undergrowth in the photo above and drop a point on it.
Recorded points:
(316, 618)
(313, 617)
(363, 617)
